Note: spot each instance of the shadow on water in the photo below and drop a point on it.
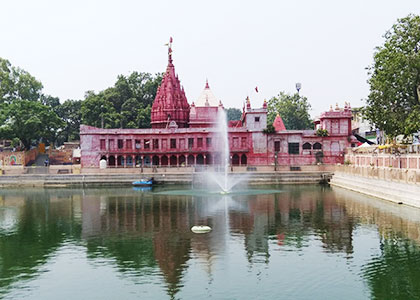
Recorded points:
(146, 234)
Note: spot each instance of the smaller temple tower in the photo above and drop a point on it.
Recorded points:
(170, 104)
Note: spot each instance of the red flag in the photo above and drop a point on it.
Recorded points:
(256, 89)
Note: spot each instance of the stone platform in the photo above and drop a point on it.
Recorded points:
(69, 180)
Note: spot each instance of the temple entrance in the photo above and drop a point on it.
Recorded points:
(173, 161)
(200, 159)
(191, 160)
(235, 160)
(155, 160)
(244, 160)
(182, 160)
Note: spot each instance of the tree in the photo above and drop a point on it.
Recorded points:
(28, 121)
(127, 104)
(70, 112)
(233, 114)
(16, 83)
(393, 104)
(294, 110)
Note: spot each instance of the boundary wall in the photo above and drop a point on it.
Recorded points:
(398, 185)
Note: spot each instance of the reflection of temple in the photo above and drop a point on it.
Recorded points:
(143, 233)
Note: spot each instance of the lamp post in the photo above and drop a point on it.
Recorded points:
(102, 116)
(275, 161)
(298, 87)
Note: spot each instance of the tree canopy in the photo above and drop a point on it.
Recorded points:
(26, 113)
(294, 110)
(127, 104)
(28, 121)
(393, 104)
(233, 114)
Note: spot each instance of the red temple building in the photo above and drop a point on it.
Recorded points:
(184, 134)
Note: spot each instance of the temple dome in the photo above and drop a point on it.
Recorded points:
(207, 97)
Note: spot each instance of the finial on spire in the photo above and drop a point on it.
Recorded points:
(169, 50)
(207, 84)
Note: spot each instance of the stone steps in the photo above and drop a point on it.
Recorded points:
(397, 192)
(126, 179)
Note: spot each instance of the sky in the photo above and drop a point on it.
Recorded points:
(80, 45)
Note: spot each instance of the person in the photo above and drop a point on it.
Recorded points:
(46, 162)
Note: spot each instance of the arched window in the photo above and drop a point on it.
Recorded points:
(200, 159)
(164, 160)
(306, 146)
(155, 160)
(173, 160)
(235, 160)
(244, 160)
(317, 146)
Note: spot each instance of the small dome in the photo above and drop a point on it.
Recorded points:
(207, 98)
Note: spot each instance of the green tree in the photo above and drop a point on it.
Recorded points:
(233, 114)
(127, 104)
(16, 83)
(70, 112)
(29, 121)
(294, 110)
(393, 104)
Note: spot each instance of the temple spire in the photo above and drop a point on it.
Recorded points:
(207, 84)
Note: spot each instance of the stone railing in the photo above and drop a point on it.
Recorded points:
(384, 160)
(389, 174)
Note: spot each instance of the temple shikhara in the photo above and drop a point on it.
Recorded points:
(185, 134)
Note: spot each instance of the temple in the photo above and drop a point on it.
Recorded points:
(184, 134)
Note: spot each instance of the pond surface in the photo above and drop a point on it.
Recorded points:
(301, 242)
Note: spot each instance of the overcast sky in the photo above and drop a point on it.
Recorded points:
(79, 45)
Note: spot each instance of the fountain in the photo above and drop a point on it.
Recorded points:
(225, 182)
(219, 182)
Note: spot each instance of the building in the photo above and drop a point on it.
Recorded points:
(184, 134)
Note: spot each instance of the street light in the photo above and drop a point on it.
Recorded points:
(298, 86)
(275, 161)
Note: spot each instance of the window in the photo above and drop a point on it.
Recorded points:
(235, 142)
(128, 144)
(190, 143)
(208, 142)
(293, 148)
(317, 146)
(155, 144)
(257, 119)
(276, 146)
(243, 142)
(120, 144)
(147, 144)
(137, 144)
(173, 143)
(111, 145)
(306, 146)
(200, 142)
(102, 144)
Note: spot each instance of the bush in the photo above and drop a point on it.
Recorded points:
(322, 132)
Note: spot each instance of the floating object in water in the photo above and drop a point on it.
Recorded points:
(201, 229)
(224, 192)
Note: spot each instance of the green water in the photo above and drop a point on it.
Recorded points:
(296, 242)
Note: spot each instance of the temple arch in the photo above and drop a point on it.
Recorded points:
(173, 161)
(244, 160)
(235, 160)
(200, 159)
(164, 160)
(155, 160)
(191, 160)
(181, 160)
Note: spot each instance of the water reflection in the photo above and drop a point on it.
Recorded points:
(146, 236)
